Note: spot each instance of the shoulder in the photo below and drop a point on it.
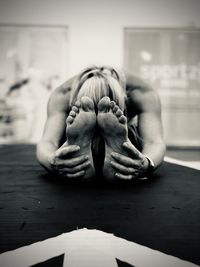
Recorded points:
(59, 99)
(141, 95)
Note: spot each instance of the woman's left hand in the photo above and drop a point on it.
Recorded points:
(135, 165)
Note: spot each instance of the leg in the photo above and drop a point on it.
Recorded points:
(81, 124)
(98, 153)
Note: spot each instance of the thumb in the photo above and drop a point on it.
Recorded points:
(132, 150)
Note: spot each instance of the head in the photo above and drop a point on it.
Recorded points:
(97, 82)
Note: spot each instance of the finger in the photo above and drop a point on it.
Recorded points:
(124, 160)
(75, 175)
(77, 168)
(66, 150)
(123, 176)
(122, 169)
(70, 163)
(132, 150)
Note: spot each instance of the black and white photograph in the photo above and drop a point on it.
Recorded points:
(99, 133)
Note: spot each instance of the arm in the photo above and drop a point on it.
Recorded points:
(51, 154)
(145, 103)
(53, 130)
(150, 126)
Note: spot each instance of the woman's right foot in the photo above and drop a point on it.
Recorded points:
(81, 124)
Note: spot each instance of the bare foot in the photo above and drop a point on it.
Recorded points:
(81, 124)
(113, 125)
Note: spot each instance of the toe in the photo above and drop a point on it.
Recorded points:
(115, 108)
(72, 114)
(75, 109)
(69, 120)
(122, 119)
(78, 104)
(112, 104)
(119, 113)
(104, 104)
(87, 104)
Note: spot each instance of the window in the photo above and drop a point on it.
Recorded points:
(33, 61)
(169, 59)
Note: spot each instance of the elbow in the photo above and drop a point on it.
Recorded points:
(164, 148)
(38, 153)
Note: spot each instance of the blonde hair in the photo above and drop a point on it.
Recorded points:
(97, 82)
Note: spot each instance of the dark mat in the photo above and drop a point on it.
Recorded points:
(162, 213)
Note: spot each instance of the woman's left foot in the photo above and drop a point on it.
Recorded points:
(113, 125)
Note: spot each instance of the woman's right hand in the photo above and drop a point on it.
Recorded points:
(65, 162)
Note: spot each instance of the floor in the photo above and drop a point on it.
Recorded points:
(184, 154)
(157, 217)
(184, 157)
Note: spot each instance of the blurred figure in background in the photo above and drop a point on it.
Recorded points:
(103, 122)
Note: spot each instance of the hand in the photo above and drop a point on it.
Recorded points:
(131, 167)
(66, 164)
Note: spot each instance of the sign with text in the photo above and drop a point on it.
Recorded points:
(169, 60)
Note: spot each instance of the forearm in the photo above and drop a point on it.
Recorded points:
(45, 153)
(155, 151)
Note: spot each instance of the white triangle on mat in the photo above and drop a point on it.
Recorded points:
(90, 248)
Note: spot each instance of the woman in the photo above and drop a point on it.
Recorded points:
(91, 127)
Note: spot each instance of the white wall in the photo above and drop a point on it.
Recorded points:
(96, 27)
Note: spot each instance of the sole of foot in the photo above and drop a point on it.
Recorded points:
(113, 125)
(80, 128)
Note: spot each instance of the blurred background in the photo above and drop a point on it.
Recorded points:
(44, 42)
